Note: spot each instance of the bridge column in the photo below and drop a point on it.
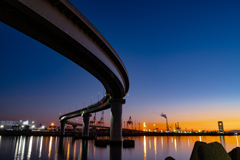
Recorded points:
(62, 129)
(74, 128)
(94, 129)
(85, 129)
(116, 121)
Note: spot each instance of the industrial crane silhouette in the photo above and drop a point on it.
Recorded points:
(101, 122)
(129, 122)
(92, 122)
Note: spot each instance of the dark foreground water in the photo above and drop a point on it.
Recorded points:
(146, 148)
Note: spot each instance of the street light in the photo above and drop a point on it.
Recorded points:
(52, 124)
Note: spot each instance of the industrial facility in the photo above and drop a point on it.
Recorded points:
(20, 125)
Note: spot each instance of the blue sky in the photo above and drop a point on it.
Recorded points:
(182, 58)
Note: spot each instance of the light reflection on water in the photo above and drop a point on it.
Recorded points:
(237, 141)
(67, 148)
(30, 148)
(155, 146)
(145, 148)
(40, 149)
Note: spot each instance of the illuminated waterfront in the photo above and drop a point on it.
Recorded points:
(146, 147)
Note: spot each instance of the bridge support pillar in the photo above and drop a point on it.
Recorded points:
(94, 129)
(85, 129)
(74, 128)
(62, 129)
(116, 121)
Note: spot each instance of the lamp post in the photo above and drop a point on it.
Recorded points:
(135, 125)
(139, 126)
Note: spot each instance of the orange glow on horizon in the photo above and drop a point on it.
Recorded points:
(198, 125)
(144, 126)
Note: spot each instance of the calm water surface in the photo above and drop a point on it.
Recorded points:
(146, 148)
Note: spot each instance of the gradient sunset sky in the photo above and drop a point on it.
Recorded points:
(182, 57)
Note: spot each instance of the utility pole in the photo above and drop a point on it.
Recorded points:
(135, 125)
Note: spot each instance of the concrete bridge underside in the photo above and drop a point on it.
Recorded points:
(60, 26)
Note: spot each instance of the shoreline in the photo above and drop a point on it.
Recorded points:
(99, 134)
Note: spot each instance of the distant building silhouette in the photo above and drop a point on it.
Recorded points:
(220, 127)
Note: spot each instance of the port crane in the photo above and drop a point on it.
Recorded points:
(93, 121)
(101, 122)
(130, 122)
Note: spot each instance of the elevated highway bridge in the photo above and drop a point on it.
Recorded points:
(60, 26)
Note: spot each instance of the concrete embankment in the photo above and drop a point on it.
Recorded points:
(211, 151)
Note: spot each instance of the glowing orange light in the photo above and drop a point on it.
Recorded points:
(52, 124)
(144, 126)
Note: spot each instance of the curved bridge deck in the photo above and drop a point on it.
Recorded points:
(60, 26)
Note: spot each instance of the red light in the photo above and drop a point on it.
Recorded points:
(101, 102)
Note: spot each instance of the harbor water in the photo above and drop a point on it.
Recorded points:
(68, 148)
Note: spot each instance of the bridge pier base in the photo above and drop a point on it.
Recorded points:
(116, 121)
(74, 128)
(94, 129)
(85, 129)
(62, 129)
